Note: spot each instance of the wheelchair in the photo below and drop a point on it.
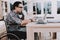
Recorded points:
(9, 38)
(9, 35)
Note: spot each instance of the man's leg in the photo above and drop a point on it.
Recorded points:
(20, 34)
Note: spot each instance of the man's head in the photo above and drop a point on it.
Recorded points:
(18, 6)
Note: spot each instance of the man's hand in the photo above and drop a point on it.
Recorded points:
(24, 22)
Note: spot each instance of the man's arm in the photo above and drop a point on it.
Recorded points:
(15, 19)
(24, 22)
(19, 21)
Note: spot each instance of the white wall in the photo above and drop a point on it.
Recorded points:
(14, 1)
(53, 8)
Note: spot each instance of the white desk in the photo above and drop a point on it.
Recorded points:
(33, 27)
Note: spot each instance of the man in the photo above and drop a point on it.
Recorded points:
(16, 21)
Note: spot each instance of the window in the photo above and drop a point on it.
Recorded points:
(25, 4)
(38, 8)
(47, 7)
(34, 8)
(5, 6)
(11, 6)
(58, 7)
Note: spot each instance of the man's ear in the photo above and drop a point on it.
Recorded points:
(15, 7)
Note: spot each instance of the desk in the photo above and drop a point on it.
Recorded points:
(33, 27)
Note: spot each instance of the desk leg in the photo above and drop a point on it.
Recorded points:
(30, 34)
(39, 35)
(58, 35)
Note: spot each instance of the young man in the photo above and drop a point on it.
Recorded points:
(16, 21)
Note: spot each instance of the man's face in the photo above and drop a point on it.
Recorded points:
(19, 8)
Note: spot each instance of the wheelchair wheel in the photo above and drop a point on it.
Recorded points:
(10, 36)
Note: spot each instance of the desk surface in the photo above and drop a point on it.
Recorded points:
(47, 25)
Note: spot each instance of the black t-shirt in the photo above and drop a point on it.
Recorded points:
(21, 16)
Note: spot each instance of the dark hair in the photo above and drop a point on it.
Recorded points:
(16, 4)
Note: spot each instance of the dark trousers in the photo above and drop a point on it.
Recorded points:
(20, 34)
